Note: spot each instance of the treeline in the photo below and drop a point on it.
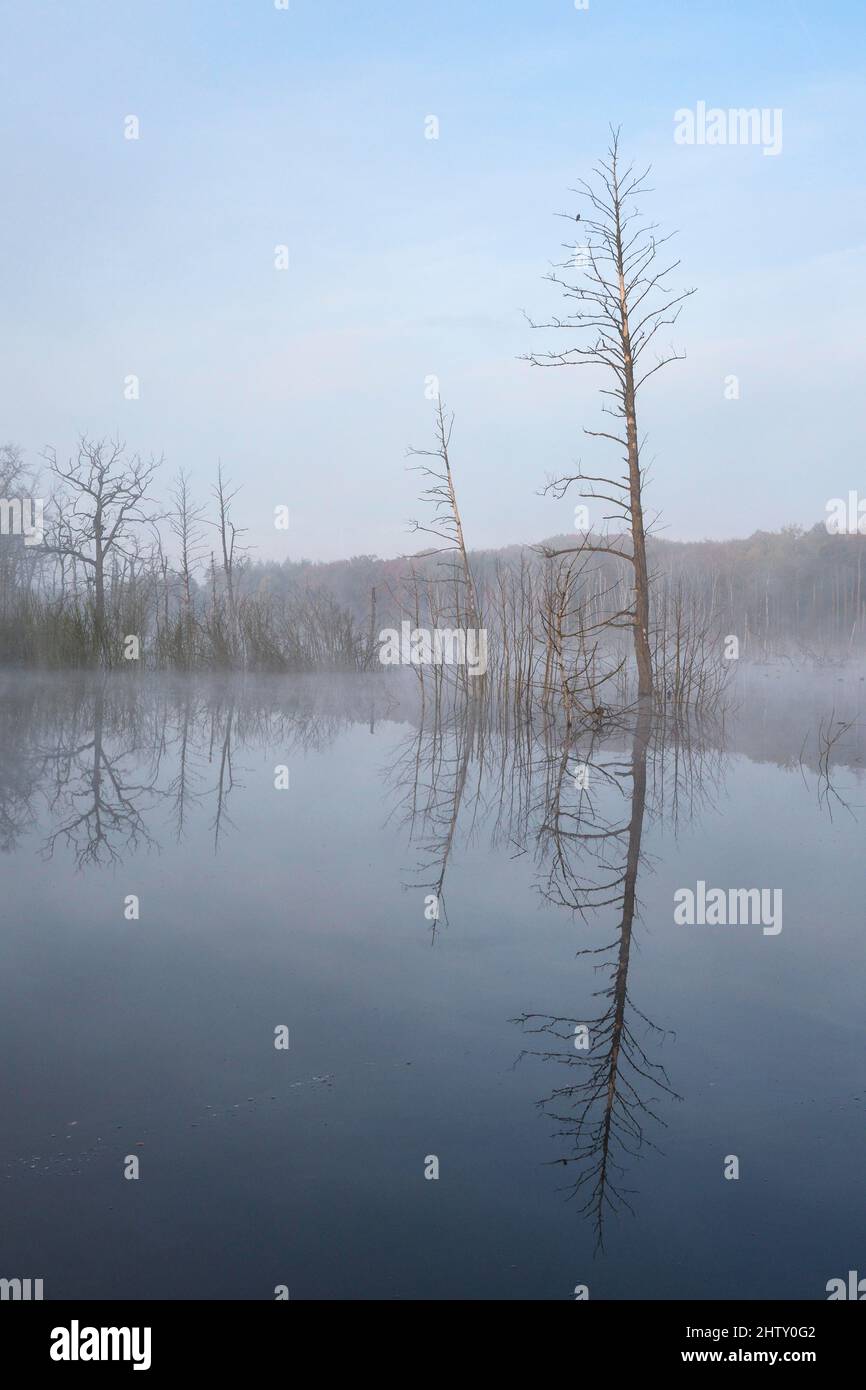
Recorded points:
(115, 561)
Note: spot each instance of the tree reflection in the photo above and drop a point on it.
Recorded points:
(580, 805)
(605, 1109)
(95, 784)
(95, 760)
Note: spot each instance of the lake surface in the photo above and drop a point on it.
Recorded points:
(411, 1039)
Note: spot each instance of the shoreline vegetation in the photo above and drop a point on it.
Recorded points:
(792, 594)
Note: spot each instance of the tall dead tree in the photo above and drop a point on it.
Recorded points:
(446, 523)
(622, 303)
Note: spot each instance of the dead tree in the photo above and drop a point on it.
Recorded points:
(446, 523)
(103, 502)
(231, 552)
(185, 521)
(622, 303)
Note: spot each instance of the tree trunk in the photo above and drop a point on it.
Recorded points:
(99, 584)
(643, 655)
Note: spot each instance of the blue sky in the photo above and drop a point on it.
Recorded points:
(411, 257)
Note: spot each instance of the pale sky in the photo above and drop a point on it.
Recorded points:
(410, 257)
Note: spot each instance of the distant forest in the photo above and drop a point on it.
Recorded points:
(179, 578)
(778, 590)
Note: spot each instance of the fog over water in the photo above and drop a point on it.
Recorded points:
(307, 907)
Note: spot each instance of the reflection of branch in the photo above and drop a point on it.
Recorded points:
(588, 846)
(604, 1113)
(183, 788)
(439, 757)
(111, 811)
(17, 813)
(104, 754)
(829, 734)
(225, 781)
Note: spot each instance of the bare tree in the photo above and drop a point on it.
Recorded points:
(446, 523)
(622, 303)
(102, 500)
(228, 534)
(185, 524)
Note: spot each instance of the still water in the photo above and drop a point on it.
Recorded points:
(581, 1068)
